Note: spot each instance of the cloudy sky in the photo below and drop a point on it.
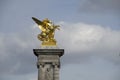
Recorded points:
(90, 35)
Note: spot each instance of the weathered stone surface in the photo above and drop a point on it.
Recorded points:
(48, 58)
(48, 63)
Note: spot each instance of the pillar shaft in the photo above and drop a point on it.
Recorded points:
(48, 63)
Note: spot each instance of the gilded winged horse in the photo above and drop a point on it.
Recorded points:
(47, 30)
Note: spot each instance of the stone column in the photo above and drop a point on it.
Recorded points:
(48, 63)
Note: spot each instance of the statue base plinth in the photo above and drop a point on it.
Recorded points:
(49, 43)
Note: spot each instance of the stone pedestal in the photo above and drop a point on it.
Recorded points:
(48, 63)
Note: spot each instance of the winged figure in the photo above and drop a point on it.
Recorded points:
(47, 30)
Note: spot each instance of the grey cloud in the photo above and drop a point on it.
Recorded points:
(83, 37)
(96, 68)
(16, 55)
(29, 76)
(100, 6)
(83, 40)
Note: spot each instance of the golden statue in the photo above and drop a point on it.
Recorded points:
(48, 31)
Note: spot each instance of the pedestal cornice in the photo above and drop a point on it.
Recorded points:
(59, 52)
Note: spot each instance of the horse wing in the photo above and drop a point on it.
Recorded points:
(40, 23)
